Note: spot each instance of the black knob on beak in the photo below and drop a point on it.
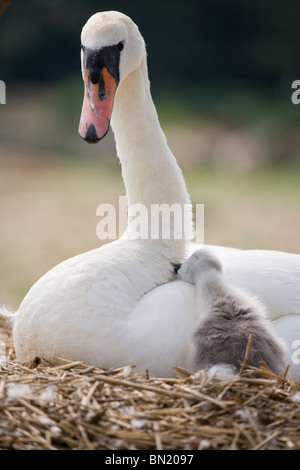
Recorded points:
(91, 135)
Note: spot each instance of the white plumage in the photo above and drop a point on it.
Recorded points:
(117, 304)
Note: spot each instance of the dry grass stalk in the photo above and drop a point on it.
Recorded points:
(77, 406)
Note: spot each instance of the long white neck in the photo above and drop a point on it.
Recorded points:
(149, 169)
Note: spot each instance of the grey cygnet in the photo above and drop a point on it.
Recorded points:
(229, 317)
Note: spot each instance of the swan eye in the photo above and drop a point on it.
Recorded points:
(120, 46)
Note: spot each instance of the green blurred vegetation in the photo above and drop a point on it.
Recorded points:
(188, 42)
(223, 61)
(266, 127)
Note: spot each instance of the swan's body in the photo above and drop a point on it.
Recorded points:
(229, 316)
(115, 305)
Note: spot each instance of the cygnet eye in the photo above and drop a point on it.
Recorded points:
(177, 267)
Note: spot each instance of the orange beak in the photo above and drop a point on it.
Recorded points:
(97, 106)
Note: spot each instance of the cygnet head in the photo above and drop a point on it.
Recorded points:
(201, 262)
(111, 48)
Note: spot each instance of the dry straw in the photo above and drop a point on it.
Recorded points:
(78, 407)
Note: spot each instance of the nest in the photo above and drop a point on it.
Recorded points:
(75, 406)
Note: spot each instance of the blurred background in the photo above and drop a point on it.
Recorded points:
(221, 73)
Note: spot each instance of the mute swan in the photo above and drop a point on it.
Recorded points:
(115, 305)
(229, 316)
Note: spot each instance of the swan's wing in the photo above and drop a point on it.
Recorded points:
(272, 276)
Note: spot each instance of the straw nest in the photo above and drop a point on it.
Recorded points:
(78, 407)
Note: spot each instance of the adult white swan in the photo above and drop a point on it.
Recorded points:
(115, 305)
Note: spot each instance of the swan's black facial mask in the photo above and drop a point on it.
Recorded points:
(95, 61)
(101, 78)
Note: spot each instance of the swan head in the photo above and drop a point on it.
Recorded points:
(201, 263)
(111, 48)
